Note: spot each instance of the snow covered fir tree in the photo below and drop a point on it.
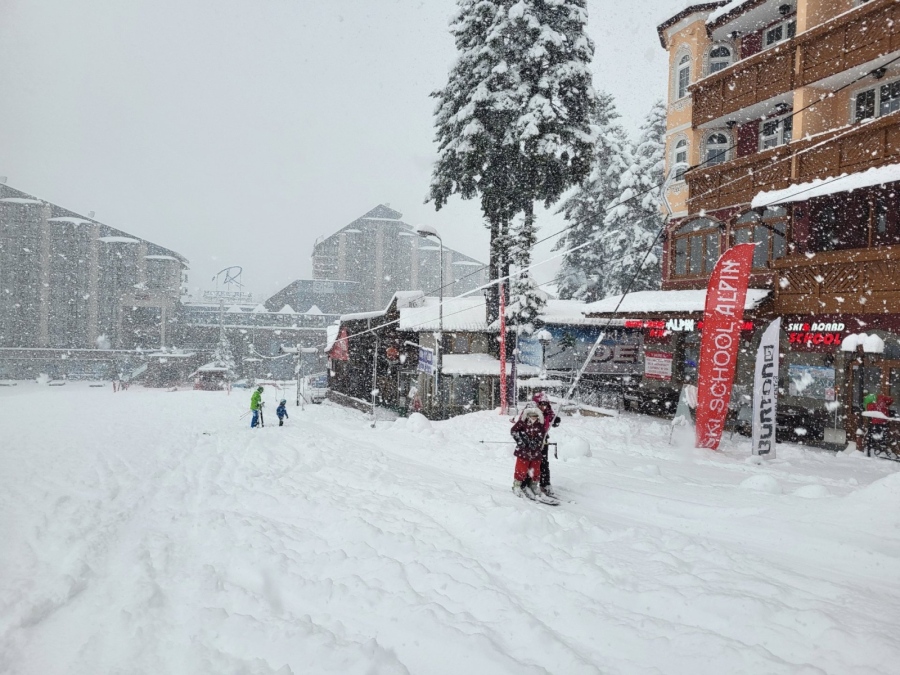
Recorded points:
(583, 271)
(513, 122)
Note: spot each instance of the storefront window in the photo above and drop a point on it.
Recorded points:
(696, 246)
(465, 389)
(867, 381)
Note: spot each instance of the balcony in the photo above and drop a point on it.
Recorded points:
(857, 281)
(744, 84)
(850, 40)
(847, 150)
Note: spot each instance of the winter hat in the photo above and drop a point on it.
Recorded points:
(533, 413)
(283, 401)
(259, 388)
(540, 397)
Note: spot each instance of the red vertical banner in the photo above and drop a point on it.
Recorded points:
(720, 342)
(503, 402)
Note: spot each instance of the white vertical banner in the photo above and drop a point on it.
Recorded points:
(765, 392)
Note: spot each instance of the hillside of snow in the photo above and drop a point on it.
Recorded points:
(154, 532)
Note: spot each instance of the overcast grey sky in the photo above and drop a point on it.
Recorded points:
(236, 132)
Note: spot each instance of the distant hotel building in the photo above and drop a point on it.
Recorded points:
(380, 255)
(70, 282)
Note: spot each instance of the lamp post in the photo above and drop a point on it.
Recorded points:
(426, 231)
(545, 338)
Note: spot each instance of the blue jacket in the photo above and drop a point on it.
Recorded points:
(281, 411)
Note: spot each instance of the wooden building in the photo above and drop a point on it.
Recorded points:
(784, 130)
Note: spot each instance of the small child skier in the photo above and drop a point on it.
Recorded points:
(281, 411)
(528, 432)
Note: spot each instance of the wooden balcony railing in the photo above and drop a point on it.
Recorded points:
(847, 150)
(755, 79)
(846, 41)
(858, 281)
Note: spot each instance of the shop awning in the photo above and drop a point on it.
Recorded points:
(664, 302)
(828, 186)
(481, 364)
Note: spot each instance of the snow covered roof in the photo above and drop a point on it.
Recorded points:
(160, 257)
(212, 367)
(665, 301)
(481, 364)
(234, 309)
(20, 200)
(260, 309)
(467, 263)
(331, 336)
(728, 8)
(120, 240)
(361, 316)
(567, 312)
(463, 314)
(829, 186)
(70, 219)
(314, 311)
(409, 298)
(287, 309)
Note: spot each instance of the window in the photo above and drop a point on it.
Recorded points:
(680, 159)
(877, 102)
(779, 33)
(840, 222)
(776, 132)
(717, 147)
(719, 59)
(683, 76)
(768, 232)
(696, 246)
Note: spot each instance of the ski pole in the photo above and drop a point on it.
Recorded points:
(245, 414)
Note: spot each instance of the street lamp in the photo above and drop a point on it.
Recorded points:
(545, 338)
(426, 231)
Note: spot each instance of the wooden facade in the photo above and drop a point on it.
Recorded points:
(848, 41)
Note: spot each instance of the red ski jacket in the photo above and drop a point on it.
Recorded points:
(529, 437)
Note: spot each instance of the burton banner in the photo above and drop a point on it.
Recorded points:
(722, 318)
(765, 392)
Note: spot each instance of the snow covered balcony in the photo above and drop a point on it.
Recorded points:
(847, 150)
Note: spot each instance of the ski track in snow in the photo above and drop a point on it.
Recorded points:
(153, 532)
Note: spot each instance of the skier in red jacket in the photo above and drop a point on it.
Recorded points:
(528, 432)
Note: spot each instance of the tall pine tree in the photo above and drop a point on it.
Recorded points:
(582, 274)
(633, 223)
(513, 122)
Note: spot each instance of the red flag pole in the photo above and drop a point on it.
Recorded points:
(504, 408)
(719, 344)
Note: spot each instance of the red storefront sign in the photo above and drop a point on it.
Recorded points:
(657, 328)
(808, 335)
(723, 318)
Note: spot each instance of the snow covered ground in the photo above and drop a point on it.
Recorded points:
(152, 532)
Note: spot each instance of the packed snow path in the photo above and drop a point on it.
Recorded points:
(152, 532)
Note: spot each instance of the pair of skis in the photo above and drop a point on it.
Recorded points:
(537, 497)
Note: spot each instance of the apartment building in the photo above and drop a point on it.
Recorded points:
(784, 130)
(75, 292)
(380, 255)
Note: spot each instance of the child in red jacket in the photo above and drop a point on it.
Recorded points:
(528, 432)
